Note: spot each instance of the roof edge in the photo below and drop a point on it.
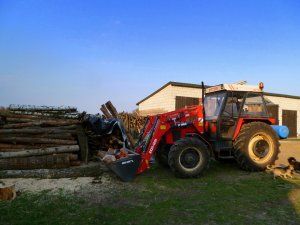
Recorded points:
(179, 84)
(281, 95)
(172, 83)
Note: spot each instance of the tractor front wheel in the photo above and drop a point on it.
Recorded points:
(162, 155)
(188, 157)
(256, 146)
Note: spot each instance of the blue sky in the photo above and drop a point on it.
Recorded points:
(84, 53)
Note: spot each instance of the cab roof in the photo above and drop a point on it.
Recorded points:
(234, 87)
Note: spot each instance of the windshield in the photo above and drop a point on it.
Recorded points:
(213, 104)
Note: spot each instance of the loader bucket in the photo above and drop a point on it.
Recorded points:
(126, 168)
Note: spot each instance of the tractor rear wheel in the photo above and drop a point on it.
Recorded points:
(188, 157)
(256, 146)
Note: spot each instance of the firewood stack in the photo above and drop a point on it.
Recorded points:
(38, 137)
(109, 111)
(132, 122)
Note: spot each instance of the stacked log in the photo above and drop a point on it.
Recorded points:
(38, 137)
(109, 111)
(111, 141)
(133, 122)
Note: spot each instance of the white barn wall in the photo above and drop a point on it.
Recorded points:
(287, 104)
(165, 99)
(161, 100)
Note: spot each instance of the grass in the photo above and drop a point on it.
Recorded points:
(224, 195)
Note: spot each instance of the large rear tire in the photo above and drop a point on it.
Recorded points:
(256, 146)
(188, 157)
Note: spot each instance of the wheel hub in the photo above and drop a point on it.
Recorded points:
(190, 158)
(261, 148)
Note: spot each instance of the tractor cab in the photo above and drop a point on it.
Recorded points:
(227, 107)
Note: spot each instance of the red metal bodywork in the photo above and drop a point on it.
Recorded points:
(242, 121)
(185, 121)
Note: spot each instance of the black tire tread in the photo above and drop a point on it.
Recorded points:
(173, 156)
(162, 155)
(242, 141)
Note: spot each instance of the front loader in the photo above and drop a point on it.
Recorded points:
(233, 122)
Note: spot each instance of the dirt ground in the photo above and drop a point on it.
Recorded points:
(108, 183)
(288, 149)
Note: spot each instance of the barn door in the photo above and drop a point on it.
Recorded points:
(289, 119)
(273, 111)
(182, 102)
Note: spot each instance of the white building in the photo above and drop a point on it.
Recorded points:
(175, 95)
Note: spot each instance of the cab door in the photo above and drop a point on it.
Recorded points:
(229, 116)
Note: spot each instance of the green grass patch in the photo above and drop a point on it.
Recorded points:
(224, 195)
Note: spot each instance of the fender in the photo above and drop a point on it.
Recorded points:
(242, 121)
(202, 139)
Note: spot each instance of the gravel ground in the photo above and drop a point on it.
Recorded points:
(96, 189)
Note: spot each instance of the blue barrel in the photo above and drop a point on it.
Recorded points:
(282, 131)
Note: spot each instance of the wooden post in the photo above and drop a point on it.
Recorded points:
(83, 143)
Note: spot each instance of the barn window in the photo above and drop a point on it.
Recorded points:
(182, 101)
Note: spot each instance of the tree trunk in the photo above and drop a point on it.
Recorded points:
(105, 112)
(41, 151)
(41, 108)
(40, 130)
(41, 123)
(111, 109)
(36, 140)
(93, 169)
(36, 162)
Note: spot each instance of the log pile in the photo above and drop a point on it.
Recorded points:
(109, 111)
(102, 142)
(133, 122)
(38, 137)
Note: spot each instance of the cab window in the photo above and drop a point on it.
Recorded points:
(254, 106)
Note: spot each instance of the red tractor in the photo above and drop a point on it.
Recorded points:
(233, 122)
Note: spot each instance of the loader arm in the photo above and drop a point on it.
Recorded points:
(148, 145)
(188, 120)
(161, 128)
